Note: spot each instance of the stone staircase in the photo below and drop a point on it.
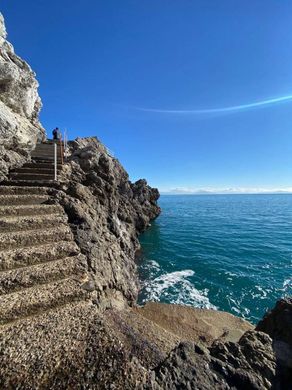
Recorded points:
(41, 267)
(41, 169)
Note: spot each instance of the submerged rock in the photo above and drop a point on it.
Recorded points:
(20, 105)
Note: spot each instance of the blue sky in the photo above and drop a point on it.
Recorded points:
(118, 69)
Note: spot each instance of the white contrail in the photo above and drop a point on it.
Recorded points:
(220, 110)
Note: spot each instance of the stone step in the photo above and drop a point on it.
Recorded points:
(17, 223)
(10, 200)
(46, 146)
(46, 160)
(37, 171)
(27, 238)
(17, 279)
(38, 299)
(49, 165)
(31, 183)
(19, 190)
(46, 150)
(26, 210)
(23, 257)
(31, 176)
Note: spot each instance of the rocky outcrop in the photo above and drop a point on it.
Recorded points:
(248, 364)
(20, 105)
(278, 325)
(106, 212)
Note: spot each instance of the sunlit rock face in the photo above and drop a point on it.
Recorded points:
(20, 105)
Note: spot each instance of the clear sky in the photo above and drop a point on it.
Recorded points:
(140, 74)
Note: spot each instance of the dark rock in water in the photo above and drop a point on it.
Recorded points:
(278, 324)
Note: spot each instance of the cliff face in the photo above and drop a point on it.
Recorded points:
(106, 212)
(20, 104)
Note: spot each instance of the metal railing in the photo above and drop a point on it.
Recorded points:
(63, 153)
(55, 161)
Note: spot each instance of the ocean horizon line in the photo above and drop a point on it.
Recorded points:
(224, 193)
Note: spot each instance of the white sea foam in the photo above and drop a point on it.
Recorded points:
(178, 289)
(287, 284)
(263, 293)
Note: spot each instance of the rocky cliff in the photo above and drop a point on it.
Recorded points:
(20, 104)
(106, 212)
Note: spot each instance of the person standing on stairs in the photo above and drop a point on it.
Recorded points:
(56, 134)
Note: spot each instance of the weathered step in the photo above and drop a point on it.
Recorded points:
(31, 176)
(31, 183)
(9, 224)
(46, 148)
(46, 160)
(49, 165)
(34, 300)
(18, 190)
(45, 155)
(10, 200)
(38, 209)
(13, 240)
(36, 170)
(17, 279)
(42, 253)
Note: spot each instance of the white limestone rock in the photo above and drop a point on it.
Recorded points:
(20, 105)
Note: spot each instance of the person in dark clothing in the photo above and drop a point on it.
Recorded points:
(56, 134)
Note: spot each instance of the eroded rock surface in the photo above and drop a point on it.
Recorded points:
(278, 324)
(248, 364)
(20, 105)
(106, 212)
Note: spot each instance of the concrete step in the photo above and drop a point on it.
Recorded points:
(32, 222)
(38, 299)
(12, 240)
(10, 200)
(30, 176)
(19, 190)
(36, 170)
(17, 279)
(39, 209)
(42, 253)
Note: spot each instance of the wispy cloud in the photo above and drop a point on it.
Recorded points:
(231, 190)
(219, 110)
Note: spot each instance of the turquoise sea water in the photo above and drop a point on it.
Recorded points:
(230, 252)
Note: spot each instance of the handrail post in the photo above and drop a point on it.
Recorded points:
(55, 161)
(65, 145)
(61, 150)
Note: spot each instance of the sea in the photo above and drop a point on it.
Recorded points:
(224, 252)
